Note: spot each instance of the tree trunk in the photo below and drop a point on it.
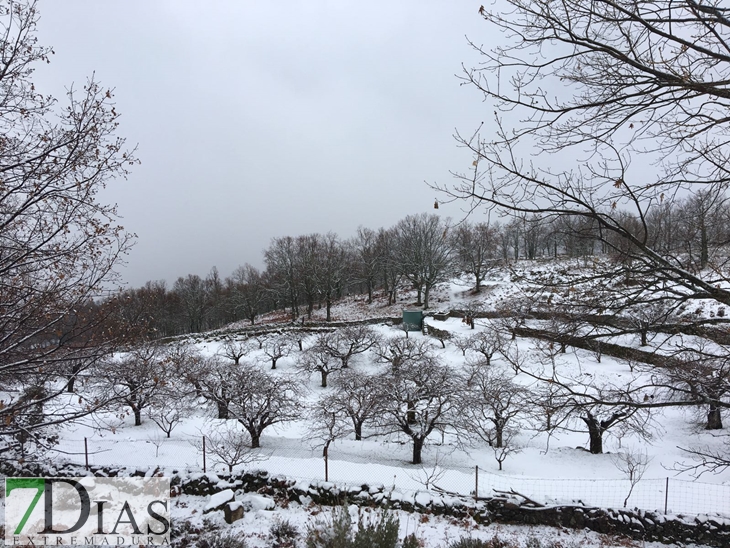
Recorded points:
(222, 409)
(255, 441)
(137, 416)
(498, 436)
(714, 418)
(417, 450)
(596, 439)
(273, 362)
(324, 378)
(643, 338)
(426, 295)
(329, 310)
(358, 431)
(411, 415)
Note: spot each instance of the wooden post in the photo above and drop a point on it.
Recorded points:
(204, 454)
(86, 453)
(476, 483)
(666, 495)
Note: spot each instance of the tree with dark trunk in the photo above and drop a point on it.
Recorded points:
(356, 397)
(277, 347)
(313, 360)
(137, 378)
(426, 254)
(491, 403)
(344, 343)
(418, 399)
(259, 400)
(475, 248)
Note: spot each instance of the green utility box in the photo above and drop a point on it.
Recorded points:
(412, 320)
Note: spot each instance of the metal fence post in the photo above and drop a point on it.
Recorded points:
(86, 453)
(204, 470)
(476, 483)
(666, 495)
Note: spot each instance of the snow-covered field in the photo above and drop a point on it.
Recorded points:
(555, 469)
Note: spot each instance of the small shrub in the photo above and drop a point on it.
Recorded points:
(469, 543)
(216, 539)
(337, 532)
(411, 541)
(283, 535)
(333, 532)
(382, 533)
(494, 542)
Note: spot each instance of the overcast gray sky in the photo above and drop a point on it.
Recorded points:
(262, 119)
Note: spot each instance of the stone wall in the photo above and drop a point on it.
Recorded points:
(634, 524)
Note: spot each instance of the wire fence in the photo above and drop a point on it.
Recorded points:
(664, 495)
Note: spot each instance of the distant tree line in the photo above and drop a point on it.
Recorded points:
(314, 270)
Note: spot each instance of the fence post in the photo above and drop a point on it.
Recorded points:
(666, 495)
(476, 483)
(204, 470)
(86, 453)
(326, 464)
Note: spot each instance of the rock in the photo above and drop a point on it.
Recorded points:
(233, 511)
(252, 502)
(219, 500)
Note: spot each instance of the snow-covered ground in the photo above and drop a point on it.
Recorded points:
(557, 469)
(551, 470)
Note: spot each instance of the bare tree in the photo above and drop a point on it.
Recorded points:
(426, 253)
(418, 399)
(229, 444)
(332, 269)
(313, 360)
(346, 342)
(700, 373)
(475, 247)
(277, 347)
(486, 343)
(491, 403)
(59, 243)
(137, 378)
(507, 448)
(259, 400)
(282, 267)
(248, 292)
(169, 411)
(327, 424)
(633, 463)
(401, 352)
(235, 349)
(212, 380)
(606, 82)
(356, 397)
(367, 258)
